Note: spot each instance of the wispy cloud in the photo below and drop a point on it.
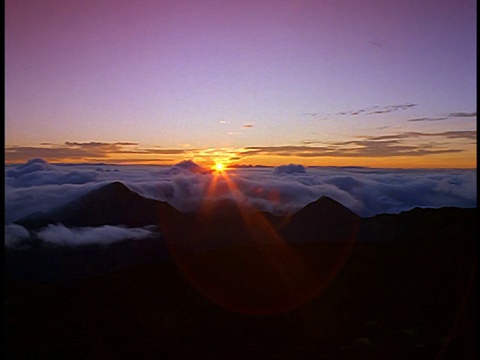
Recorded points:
(368, 146)
(472, 135)
(87, 151)
(461, 134)
(370, 110)
(376, 44)
(96, 144)
(22, 153)
(463, 114)
(350, 149)
(429, 119)
(379, 110)
(105, 149)
(449, 116)
(376, 110)
(104, 235)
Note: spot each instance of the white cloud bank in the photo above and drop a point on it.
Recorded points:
(105, 235)
(17, 236)
(40, 186)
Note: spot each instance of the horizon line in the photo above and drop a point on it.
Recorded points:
(242, 166)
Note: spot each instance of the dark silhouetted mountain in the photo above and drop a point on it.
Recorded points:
(322, 220)
(413, 226)
(111, 204)
(219, 222)
(226, 223)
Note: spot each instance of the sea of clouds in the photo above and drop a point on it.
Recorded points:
(41, 186)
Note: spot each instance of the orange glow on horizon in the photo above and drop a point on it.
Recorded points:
(221, 160)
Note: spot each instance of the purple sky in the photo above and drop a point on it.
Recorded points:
(377, 83)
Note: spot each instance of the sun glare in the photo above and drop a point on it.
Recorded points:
(219, 167)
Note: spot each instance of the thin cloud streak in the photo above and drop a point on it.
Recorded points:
(370, 110)
(463, 114)
(463, 134)
(449, 116)
(376, 110)
(389, 145)
(357, 149)
(87, 151)
(428, 119)
(369, 146)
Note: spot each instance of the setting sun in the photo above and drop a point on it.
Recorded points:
(219, 166)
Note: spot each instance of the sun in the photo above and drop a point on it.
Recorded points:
(219, 167)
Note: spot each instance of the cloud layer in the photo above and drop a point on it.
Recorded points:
(16, 236)
(40, 186)
(105, 235)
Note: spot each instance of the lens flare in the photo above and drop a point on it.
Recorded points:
(219, 166)
(247, 262)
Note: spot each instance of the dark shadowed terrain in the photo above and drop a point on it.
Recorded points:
(227, 283)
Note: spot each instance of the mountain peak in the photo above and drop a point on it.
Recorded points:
(112, 188)
(324, 219)
(325, 205)
(111, 204)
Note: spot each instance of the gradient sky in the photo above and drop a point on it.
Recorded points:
(367, 83)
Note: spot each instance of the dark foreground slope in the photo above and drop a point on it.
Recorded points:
(406, 290)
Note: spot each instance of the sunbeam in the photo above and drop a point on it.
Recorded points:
(238, 259)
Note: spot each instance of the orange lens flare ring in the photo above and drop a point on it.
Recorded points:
(239, 260)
